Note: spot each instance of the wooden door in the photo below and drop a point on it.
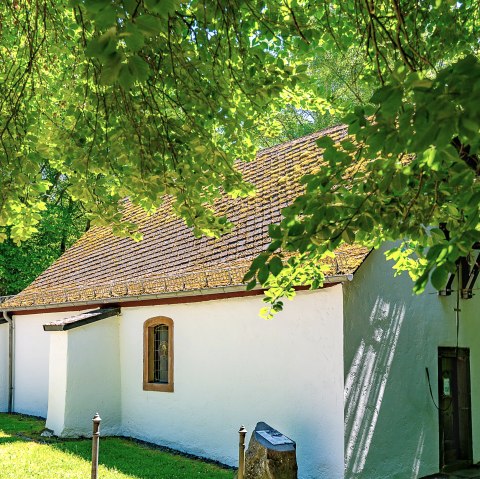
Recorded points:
(455, 418)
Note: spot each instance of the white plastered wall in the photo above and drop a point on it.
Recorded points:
(57, 390)
(31, 355)
(391, 336)
(85, 379)
(234, 368)
(3, 367)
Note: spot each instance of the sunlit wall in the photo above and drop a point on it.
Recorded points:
(390, 338)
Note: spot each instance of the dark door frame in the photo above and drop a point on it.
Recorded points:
(457, 354)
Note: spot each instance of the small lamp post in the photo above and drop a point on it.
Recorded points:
(241, 452)
(95, 441)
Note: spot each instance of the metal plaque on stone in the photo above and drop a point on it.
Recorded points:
(270, 454)
(274, 437)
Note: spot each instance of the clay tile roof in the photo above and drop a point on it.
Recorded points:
(170, 259)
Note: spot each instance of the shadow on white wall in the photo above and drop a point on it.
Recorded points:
(418, 454)
(366, 381)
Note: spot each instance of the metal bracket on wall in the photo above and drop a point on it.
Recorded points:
(468, 277)
(468, 281)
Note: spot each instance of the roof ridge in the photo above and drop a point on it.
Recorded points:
(325, 131)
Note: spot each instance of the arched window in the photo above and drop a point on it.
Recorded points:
(158, 354)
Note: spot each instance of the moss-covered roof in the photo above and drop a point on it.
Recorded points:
(169, 258)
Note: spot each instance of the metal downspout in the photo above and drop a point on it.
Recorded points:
(11, 326)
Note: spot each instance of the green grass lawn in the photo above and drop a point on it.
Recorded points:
(21, 458)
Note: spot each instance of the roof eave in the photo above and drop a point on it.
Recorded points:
(95, 316)
(341, 278)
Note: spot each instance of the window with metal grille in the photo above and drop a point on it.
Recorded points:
(158, 354)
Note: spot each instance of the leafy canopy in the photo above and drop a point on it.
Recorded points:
(140, 99)
(152, 97)
(408, 171)
(61, 224)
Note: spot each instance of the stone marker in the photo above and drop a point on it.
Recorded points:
(270, 455)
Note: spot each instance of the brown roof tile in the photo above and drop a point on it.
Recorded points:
(169, 258)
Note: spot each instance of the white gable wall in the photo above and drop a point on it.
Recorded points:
(3, 367)
(391, 336)
(31, 363)
(234, 368)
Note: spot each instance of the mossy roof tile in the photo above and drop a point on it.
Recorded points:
(169, 258)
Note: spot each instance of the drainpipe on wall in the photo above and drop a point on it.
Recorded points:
(11, 326)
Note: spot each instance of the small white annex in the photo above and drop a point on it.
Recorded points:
(161, 338)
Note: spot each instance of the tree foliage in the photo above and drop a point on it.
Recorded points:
(337, 77)
(140, 99)
(408, 170)
(62, 222)
(143, 98)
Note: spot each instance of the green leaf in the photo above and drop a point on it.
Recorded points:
(277, 306)
(296, 230)
(259, 261)
(162, 7)
(103, 46)
(134, 38)
(275, 265)
(439, 277)
(104, 13)
(125, 77)
(348, 235)
(150, 25)
(263, 274)
(325, 142)
(275, 231)
(111, 69)
(139, 68)
(249, 275)
(381, 94)
(274, 245)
